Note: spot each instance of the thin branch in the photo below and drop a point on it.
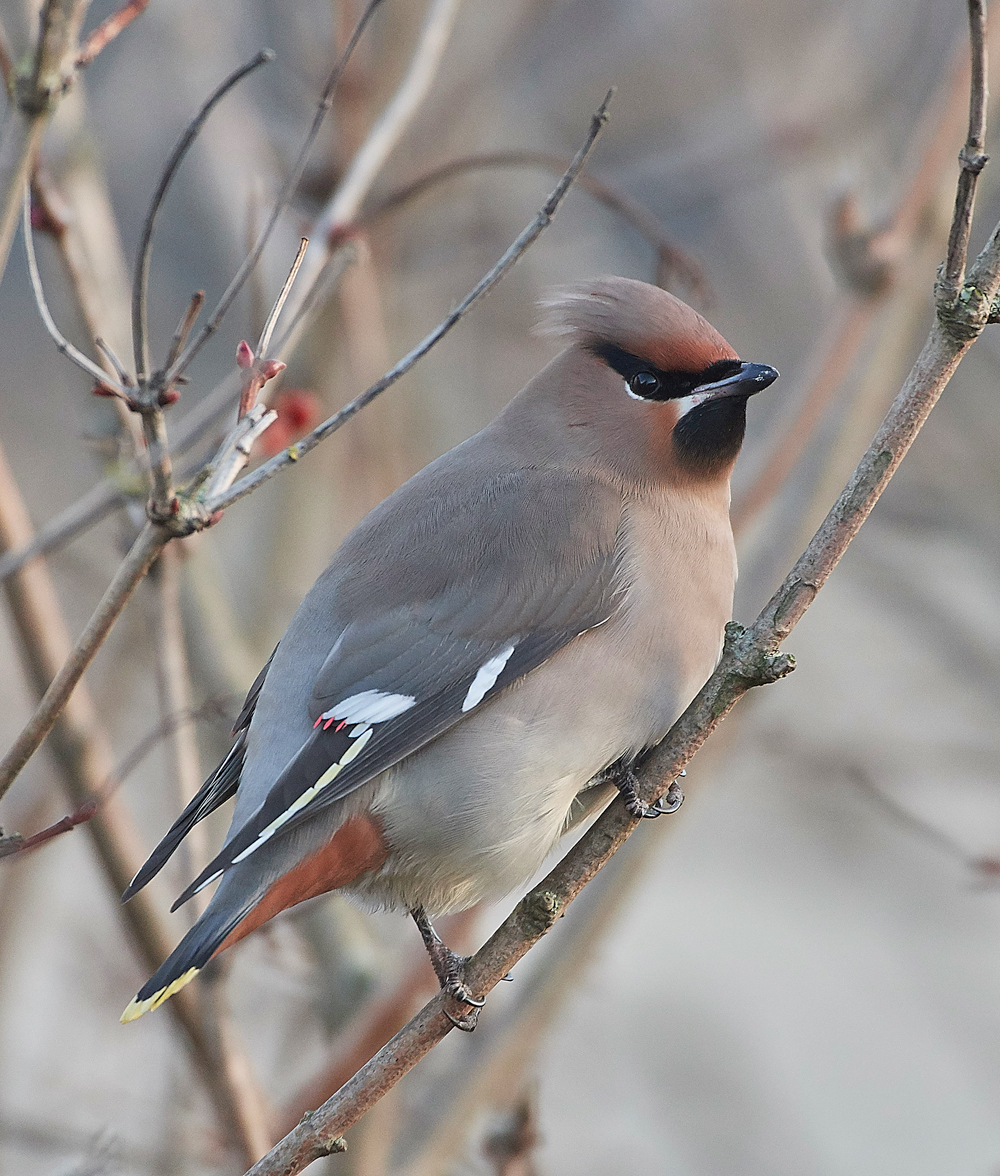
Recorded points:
(265, 336)
(381, 140)
(671, 259)
(284, 198)
(971, 158)
(95, 371)
(188, 319)
(259, 369)
(136, 564)
(140, 334)
(516, 250)
(108, 29)
(750, 658)
(213, 710)
(105, 348)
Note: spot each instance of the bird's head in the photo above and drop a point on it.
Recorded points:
(661, 390)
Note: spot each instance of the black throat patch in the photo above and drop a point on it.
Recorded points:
(707, 438)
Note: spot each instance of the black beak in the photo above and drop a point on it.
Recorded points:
(748, 381)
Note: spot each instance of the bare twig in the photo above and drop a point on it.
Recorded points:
(516, 250)
(188, 319)
(972, 160)
(750, 658)
(62, 344)
(108, 29)
(140, 334)
(259, 369)
(265, 336)
(671, 259)
(284, 197)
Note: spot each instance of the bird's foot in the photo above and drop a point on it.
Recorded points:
(625, 781)
(449, 967)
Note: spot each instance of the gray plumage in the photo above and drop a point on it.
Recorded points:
(531, 608)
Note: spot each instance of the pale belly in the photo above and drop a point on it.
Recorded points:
(473, 815)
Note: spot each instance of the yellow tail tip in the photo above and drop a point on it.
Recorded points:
(137, 1007)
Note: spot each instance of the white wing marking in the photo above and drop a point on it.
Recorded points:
(486, 675)
(370, 706)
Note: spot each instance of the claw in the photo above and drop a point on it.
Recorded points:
(626, 780)
(467, 1023)
(449, 969)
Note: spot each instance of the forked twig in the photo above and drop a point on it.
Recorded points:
(62, 343)
(971, 158)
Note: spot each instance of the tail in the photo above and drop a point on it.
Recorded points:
(189, 956)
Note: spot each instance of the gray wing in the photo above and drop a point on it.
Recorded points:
(216, 790)
(428, 633)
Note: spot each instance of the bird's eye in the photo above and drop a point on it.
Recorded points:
(644, 385)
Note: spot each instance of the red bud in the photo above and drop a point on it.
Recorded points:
(244, 354)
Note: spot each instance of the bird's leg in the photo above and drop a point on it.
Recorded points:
(623, 776)
(449, 969)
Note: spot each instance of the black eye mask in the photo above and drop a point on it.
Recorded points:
(647, 382)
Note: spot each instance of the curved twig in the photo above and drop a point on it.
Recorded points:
(62, 343)
(140, 332)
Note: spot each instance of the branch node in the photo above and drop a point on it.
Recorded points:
(964, 317)
(327, 1147)
(972, 161)
(540, 911)
(752, 664)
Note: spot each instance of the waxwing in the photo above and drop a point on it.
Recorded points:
(490, 648)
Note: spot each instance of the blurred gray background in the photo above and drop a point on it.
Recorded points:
(800, 973)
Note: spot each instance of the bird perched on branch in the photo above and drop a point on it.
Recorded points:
(493, 646)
